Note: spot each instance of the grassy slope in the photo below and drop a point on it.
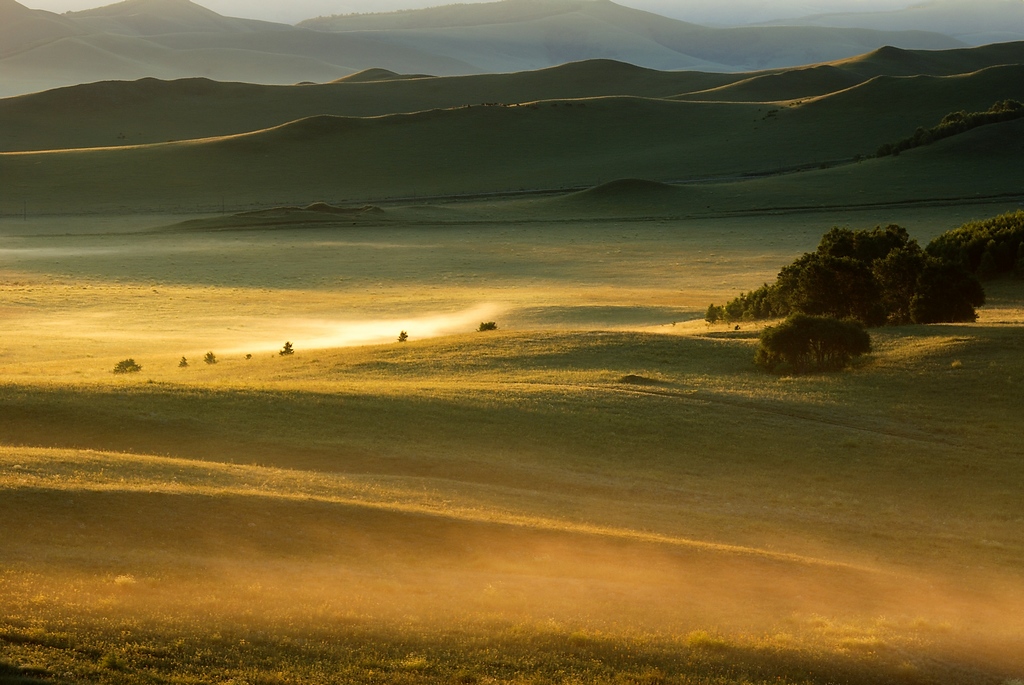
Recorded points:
(469, 477)
(201, 108)
(133, 113)
(545, 145)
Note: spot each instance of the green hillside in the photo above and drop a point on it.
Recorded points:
(154, 111)
(150, 111)
(541, 145)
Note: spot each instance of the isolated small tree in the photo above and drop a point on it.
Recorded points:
(713, 314)
(210, 358)
(286, 350)
(127, 366)
(488, 326)
(403, 336)
(812, 343)
(183, 364)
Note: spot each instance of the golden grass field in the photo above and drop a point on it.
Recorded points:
(603, 490)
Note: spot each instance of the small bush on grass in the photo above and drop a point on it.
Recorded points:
(183, 364)
(403, 336)
(127, 366)
(287, 350)
(811, 343)
(210, 358)
(487, 326)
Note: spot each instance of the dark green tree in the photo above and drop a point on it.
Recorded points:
(897, 275)
(127, 366)
(826, 285)
(287, 350)
(403, 336)
(987, 267)
(210, 358)
(946, 293)
(811, 343)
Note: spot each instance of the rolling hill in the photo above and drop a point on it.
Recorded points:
(154, 111)
(541, 145)
(150, 110)
(173, 39)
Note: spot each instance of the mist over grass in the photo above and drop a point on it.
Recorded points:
(494, 506)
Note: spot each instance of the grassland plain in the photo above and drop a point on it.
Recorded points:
(589, 494)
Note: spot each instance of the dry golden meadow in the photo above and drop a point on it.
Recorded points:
(603, 490)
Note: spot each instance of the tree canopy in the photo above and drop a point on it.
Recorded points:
(986, 248)
(878, 276)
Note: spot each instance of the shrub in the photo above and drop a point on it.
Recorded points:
(183, 364)
(487, 326)
(210, 358)
(286, 350)
(403, 336)
(127, 366)
(812, 343)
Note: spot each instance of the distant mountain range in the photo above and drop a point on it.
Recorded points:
(178, 38)
(975, 23)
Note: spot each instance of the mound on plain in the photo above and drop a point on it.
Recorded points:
(316, 214)
(623, 197)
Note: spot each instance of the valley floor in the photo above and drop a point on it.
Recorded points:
(604, 489)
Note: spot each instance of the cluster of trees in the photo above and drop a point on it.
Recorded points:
(986, 248)
(954, 123)
(811, 343)
(874, 277)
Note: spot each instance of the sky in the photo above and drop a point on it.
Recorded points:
(722, 12)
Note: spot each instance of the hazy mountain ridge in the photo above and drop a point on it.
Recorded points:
(975, 23)
(567, 30)
(179, 39)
